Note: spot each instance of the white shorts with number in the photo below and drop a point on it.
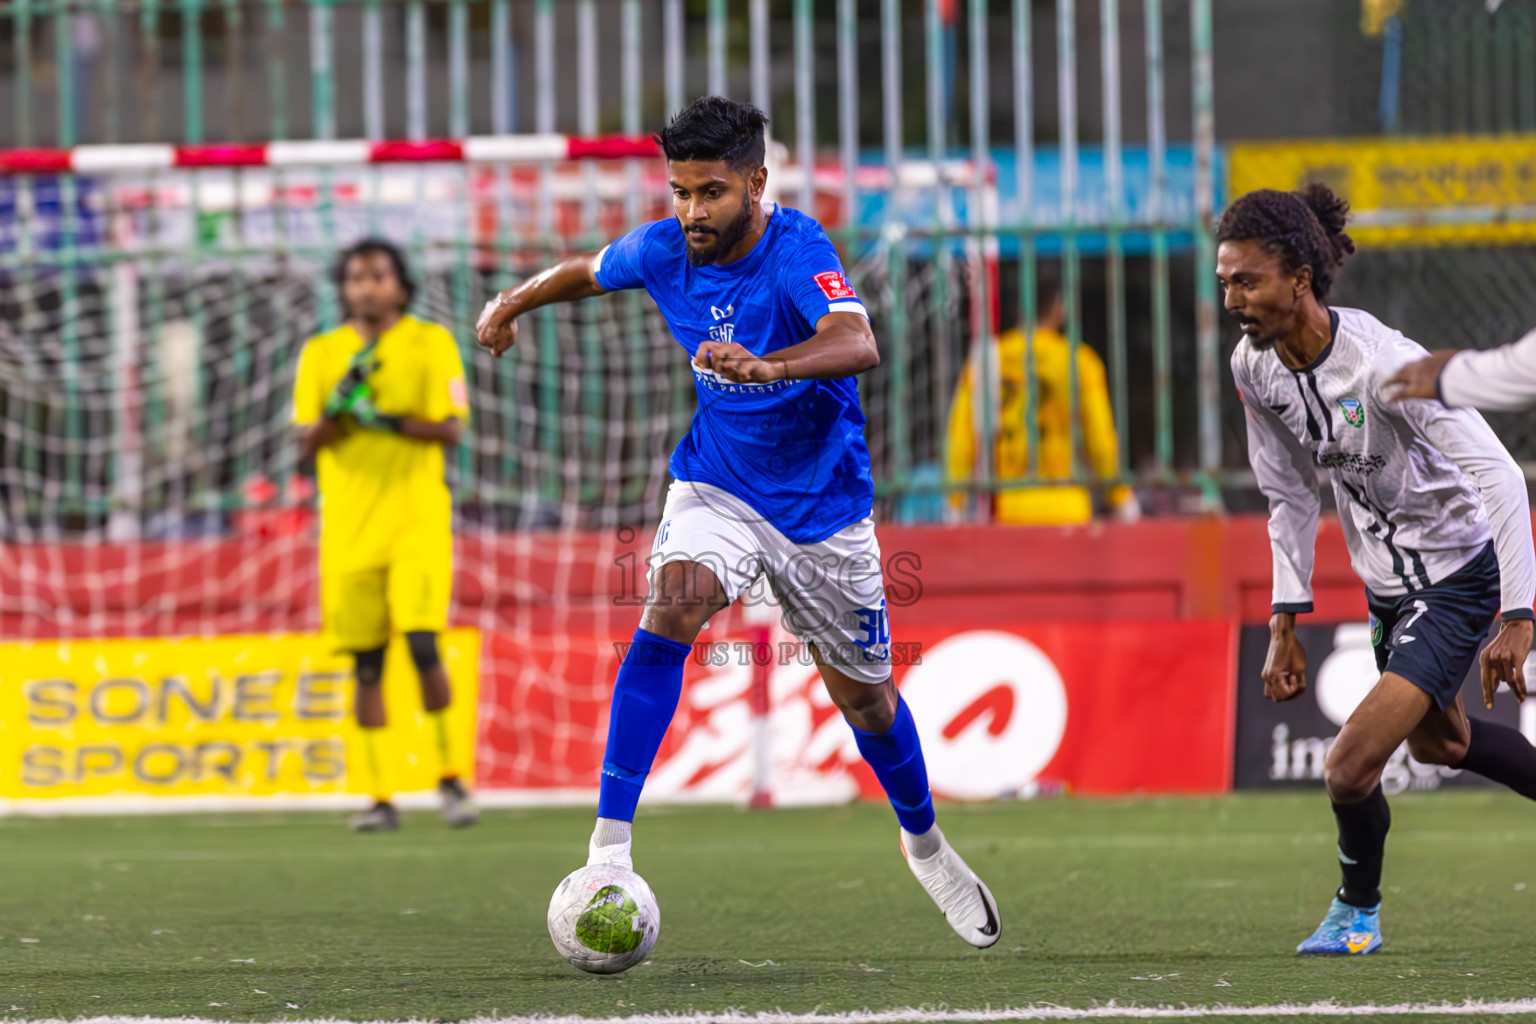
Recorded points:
(832, 593)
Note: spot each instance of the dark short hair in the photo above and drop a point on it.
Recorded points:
(1304, 229)
(715, 128)
(370, 247)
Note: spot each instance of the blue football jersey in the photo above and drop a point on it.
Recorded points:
(794, 449)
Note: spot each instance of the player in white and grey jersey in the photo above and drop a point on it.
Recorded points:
(1433, 509)
(1421, 489)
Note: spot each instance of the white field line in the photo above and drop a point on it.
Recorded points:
(911, 1015)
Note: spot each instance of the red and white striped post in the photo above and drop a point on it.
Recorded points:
(510, 149)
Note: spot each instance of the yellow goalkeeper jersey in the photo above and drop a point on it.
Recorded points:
(380, 491)
(1043, 504)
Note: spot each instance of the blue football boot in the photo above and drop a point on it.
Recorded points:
(1346, 931)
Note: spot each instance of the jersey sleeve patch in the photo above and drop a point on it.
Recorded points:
(834, 286)
(458, 394)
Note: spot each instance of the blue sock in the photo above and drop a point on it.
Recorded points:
(897, 758)
(644, 700)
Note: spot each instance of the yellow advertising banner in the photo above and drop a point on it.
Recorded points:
(1448, 190)
(217, 716)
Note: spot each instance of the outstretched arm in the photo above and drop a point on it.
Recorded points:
(566, 281)
(1498, 379)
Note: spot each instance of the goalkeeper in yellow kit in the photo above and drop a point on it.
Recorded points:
(1054, 500)
(377, 401)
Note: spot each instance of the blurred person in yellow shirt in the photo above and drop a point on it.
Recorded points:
(1046, 504)
(376, 402)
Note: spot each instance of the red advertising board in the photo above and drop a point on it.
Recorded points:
(1097, 657)
(1128, 707)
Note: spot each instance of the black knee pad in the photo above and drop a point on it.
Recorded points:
(369, 667)
(423, 650)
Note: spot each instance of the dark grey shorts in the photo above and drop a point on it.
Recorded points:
(1431, 636)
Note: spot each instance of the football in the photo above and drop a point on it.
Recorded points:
(603, 918)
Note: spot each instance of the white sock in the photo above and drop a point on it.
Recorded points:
(610, 832)
(924, 846)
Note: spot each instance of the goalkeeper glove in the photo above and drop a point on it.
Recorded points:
(353, 384)
(368, 416)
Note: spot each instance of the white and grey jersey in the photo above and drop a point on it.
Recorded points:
(1420, 488)
(1501, 378)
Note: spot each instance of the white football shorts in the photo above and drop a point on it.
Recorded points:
(831, 593)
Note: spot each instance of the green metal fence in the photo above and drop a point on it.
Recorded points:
(150, 320)
(100, 270)
(954, 150)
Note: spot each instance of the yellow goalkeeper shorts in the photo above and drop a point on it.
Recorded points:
(361, 608)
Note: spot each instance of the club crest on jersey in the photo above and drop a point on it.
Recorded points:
(835, 286)
(1354, 411)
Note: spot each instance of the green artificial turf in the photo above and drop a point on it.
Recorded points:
(1152, 902)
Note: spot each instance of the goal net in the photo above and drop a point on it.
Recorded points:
(150, 487)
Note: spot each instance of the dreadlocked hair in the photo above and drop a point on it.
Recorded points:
(1303, 229)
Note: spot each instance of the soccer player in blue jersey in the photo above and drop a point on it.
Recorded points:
(772, 477)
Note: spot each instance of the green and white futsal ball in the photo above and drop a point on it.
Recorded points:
(603, 918)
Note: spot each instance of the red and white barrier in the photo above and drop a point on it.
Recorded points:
(509, 149)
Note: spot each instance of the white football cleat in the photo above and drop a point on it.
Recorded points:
(617, 854)
(967, 903)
